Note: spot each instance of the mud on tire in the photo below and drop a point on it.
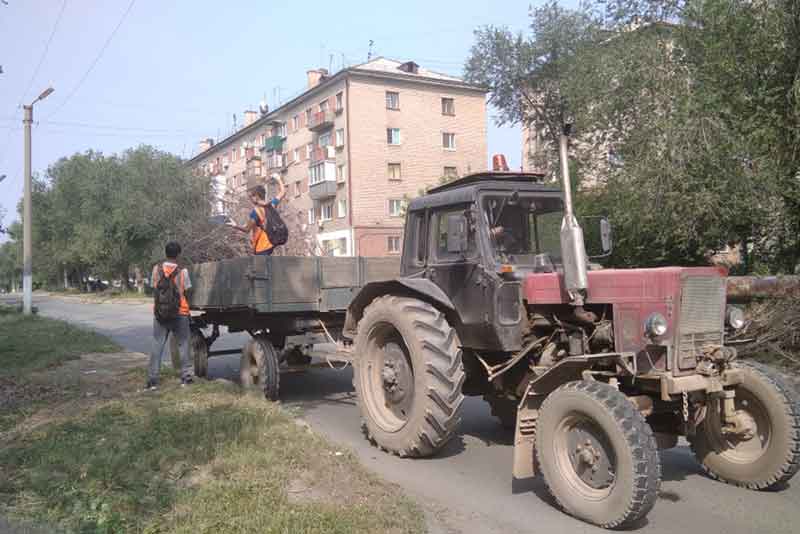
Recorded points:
(618, 483)
(772, 456)
(408, 376)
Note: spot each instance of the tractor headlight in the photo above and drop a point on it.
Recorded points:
(655, 325)
(734, 317)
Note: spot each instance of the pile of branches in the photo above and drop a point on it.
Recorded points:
(772, 332)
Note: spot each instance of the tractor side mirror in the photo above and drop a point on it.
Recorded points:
(605, 236)
(456, 233)
(597, 236)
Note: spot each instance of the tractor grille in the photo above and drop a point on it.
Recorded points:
(701, 319)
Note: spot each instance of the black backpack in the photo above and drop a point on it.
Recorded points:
(276, 229)
(167, 298)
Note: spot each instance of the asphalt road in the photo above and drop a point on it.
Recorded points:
(468, 487)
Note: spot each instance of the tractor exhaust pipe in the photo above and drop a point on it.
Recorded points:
(573, 250)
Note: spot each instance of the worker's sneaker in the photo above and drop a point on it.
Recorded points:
(152, 385)
(187, 381)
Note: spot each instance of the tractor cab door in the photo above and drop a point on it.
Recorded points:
(454, 264)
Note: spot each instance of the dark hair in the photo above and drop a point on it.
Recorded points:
(259, 191)
(172, 250)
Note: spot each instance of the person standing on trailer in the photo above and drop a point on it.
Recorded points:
(257, 222)
(170, 314)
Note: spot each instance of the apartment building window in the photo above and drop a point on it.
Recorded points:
(396, 207)
(324, 139)
(392, 100)
(339, 101)
(233, 155)
(449, 141)
(311, 216)
(241, 151)
(263, 140)
(225, 160)
(327, 212)
(340, 137)
(296, 155)
(309, 150)
(394, 172)
(393, 244)
(340, 174)
(450, 173)
(308, 116)
(280, 130)
(297, 188)
(448, 106)
(393, 136)
(341, 208)
(316, 174)
(323, 106)
(295, 123)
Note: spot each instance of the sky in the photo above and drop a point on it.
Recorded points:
(167, 73)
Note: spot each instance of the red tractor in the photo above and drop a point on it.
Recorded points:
(594, 369)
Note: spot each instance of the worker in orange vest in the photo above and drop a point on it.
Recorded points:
(170, 314)
(255, 222)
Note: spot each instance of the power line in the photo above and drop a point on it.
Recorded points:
(46, 48)
(33, 78)
(96, 60)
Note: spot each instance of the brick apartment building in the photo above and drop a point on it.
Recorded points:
(352, 147)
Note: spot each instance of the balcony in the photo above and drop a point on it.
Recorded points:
(322, 180)
(321, 121)
(276, 162)
(323, 153)
(273, 144)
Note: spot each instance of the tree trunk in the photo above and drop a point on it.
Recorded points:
(137, 273)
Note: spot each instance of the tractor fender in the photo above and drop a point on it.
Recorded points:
(420, 288)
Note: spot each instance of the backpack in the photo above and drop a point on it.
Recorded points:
(273, 225)
(166, 296)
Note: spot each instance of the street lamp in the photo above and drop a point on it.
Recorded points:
(27, 265)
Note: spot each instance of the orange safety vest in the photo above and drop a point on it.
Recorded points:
(258, 237)
(184, 307)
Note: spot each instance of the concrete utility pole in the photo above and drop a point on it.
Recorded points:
(27, 262)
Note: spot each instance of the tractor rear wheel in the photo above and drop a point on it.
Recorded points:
(598, 455)
(769, 454)
(408, 376)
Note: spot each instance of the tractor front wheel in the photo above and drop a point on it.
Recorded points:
(767, 454)
(598, 455)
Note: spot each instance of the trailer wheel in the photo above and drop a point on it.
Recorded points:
(199, 352)
(259, 367)
(770, 454)
(598, 455)
(408, 376)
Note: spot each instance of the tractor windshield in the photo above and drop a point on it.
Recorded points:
(523, 229)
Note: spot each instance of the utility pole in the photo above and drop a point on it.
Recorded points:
(27, 260)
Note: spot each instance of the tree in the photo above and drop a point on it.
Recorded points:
(697, 99)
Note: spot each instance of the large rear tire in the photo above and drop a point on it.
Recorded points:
(259, 367)
(772, 455)
(408, 376)
(598, 455)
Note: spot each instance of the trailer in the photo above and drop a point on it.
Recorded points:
(286, 304)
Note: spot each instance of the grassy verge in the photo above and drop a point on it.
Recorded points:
(202, 459)
(32, 342)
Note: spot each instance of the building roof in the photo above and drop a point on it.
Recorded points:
(379, 67)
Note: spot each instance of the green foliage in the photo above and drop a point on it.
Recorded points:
(104, 215)
(699, 101)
